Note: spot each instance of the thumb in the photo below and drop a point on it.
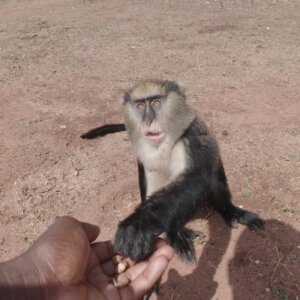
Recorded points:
(91, 231)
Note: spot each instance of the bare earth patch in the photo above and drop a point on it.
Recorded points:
(63, 68)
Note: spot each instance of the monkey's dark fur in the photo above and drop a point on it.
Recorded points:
(168, 209)
(104, 130)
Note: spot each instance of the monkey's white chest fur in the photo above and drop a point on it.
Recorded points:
(162, 164)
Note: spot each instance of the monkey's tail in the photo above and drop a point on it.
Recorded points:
(182, 241)
(103, 130)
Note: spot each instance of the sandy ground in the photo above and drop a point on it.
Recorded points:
(63, 68)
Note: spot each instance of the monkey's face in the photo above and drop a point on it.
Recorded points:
(147, 112)
(156, 111)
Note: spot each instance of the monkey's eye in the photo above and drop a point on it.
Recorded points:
(140, 106)
(156, 103)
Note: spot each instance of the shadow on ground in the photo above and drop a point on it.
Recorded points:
(265, 265)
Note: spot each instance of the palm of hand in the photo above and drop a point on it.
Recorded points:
(67, 262)
(72, 268)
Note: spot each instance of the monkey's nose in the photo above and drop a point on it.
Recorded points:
(148, 120)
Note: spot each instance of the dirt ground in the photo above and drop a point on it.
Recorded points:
(63, 68)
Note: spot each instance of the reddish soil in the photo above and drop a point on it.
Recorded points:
(63, 68)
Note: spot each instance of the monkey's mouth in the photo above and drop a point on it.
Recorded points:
(154, 135)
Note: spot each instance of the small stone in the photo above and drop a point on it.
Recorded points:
(257, 262)
(121, 267)
(62, 126)
(268, 290)
(225, 132)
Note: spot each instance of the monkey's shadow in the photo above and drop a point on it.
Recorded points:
(266, 264)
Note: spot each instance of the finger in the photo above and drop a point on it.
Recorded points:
(163, 249)
(103, 284)
(92, 231)
(145, 281)
(104, 250)
(117, 258)
(116, 265)
(132, 273)
(111, 268)
(160, 243)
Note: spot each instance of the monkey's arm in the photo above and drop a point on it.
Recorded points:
(103, 130)
(165, 211)
(142, 181)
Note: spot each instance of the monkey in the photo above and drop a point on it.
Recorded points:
(179, 169)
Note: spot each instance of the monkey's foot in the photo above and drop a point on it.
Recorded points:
(197, 235)
(182, 241)
(252, 220)
(155, 290)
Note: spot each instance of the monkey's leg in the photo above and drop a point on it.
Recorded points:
(155, 290)
(142, 181)
(181, 240)
(221, 201)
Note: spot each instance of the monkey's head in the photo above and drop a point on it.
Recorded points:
(156, 110)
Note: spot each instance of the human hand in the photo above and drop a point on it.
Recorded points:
(64, 265)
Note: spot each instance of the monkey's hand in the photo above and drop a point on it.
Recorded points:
(136, 235)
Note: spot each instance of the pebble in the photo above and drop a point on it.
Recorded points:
(121, 267)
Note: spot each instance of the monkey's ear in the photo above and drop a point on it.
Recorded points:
(182, 87)
(173, 86)
(126, 98)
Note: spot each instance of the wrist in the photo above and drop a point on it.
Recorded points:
(20, 280)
